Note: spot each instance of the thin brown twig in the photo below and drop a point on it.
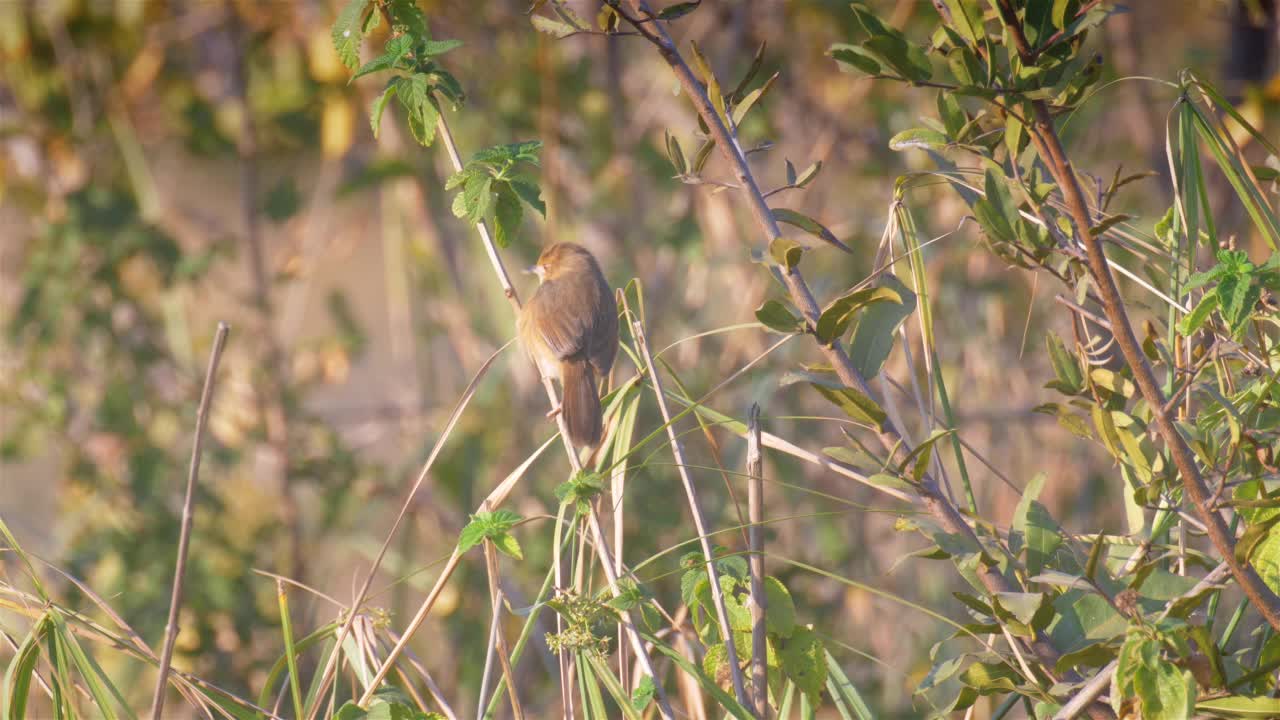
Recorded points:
(184, 535)
(755, 564)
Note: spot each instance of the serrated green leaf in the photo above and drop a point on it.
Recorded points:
(531, 194)
(347, 32)
(1199, 315)
(380, 105)
(506, 543)
(803, 660)
(780, 613)
(433, 48)
(395, 49)
(507, 214)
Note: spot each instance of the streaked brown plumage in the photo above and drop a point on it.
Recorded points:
(570, 329)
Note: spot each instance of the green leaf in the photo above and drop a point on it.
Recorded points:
(809, 225)
(407, 17)
(678, 10)
(840, 313)
(507, 214)
(478, 197)
(785, 252)
(922, 454)
(643, 694)
(808, 175)
(803, 660)
(873, 337)
(1033, 529)
(414, 92)
(506, 543)
(531, 194)
(917, 138)
(395, 49)
(380, 105)
(905, 58)
(857, 406)
(1265, 558)
(1070, 380)
(775, 316)
(433, 48)
(990, 678)
(780, 614)
(486, 525)
(348, 32)
(1164, 692)
(1199, 315)
(554, 28)
(1242, 707)
(852, 58)
(750, 99)
(676, 155)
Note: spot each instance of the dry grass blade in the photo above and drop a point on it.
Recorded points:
(755, 564)
(495, 499)
(184, 537)
(467, 394)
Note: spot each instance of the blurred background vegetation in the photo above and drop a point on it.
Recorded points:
(165, 165)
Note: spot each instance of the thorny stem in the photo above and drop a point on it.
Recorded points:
(943, 511)
(184, 536)
(1049, 147)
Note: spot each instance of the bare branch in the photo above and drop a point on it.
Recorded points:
(184, 536)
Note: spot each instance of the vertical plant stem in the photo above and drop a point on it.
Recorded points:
(1051, 151)
(184, 536)
(755, 563)
(699, 521)
(500, 641)
(286, 627)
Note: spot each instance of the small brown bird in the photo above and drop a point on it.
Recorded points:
(570, 329)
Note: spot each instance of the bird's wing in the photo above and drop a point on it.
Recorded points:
(563, 332)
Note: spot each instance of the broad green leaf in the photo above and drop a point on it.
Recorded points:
(803, 660)
(531, 194)
(775, 316)
(380, 105)
(1194, 320)
(857, 406)
(780, 613)
(989, 678)
(1033, 529)
(395, 49)
(506, 543)
(785, 252)
(347, 32)
(432, 48)
(678, 10)
(873, 338)
(854, 58)
(507, 214)
(552, 27)
(1242, 707)
(840, 313)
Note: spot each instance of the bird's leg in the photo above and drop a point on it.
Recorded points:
(555, 411)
